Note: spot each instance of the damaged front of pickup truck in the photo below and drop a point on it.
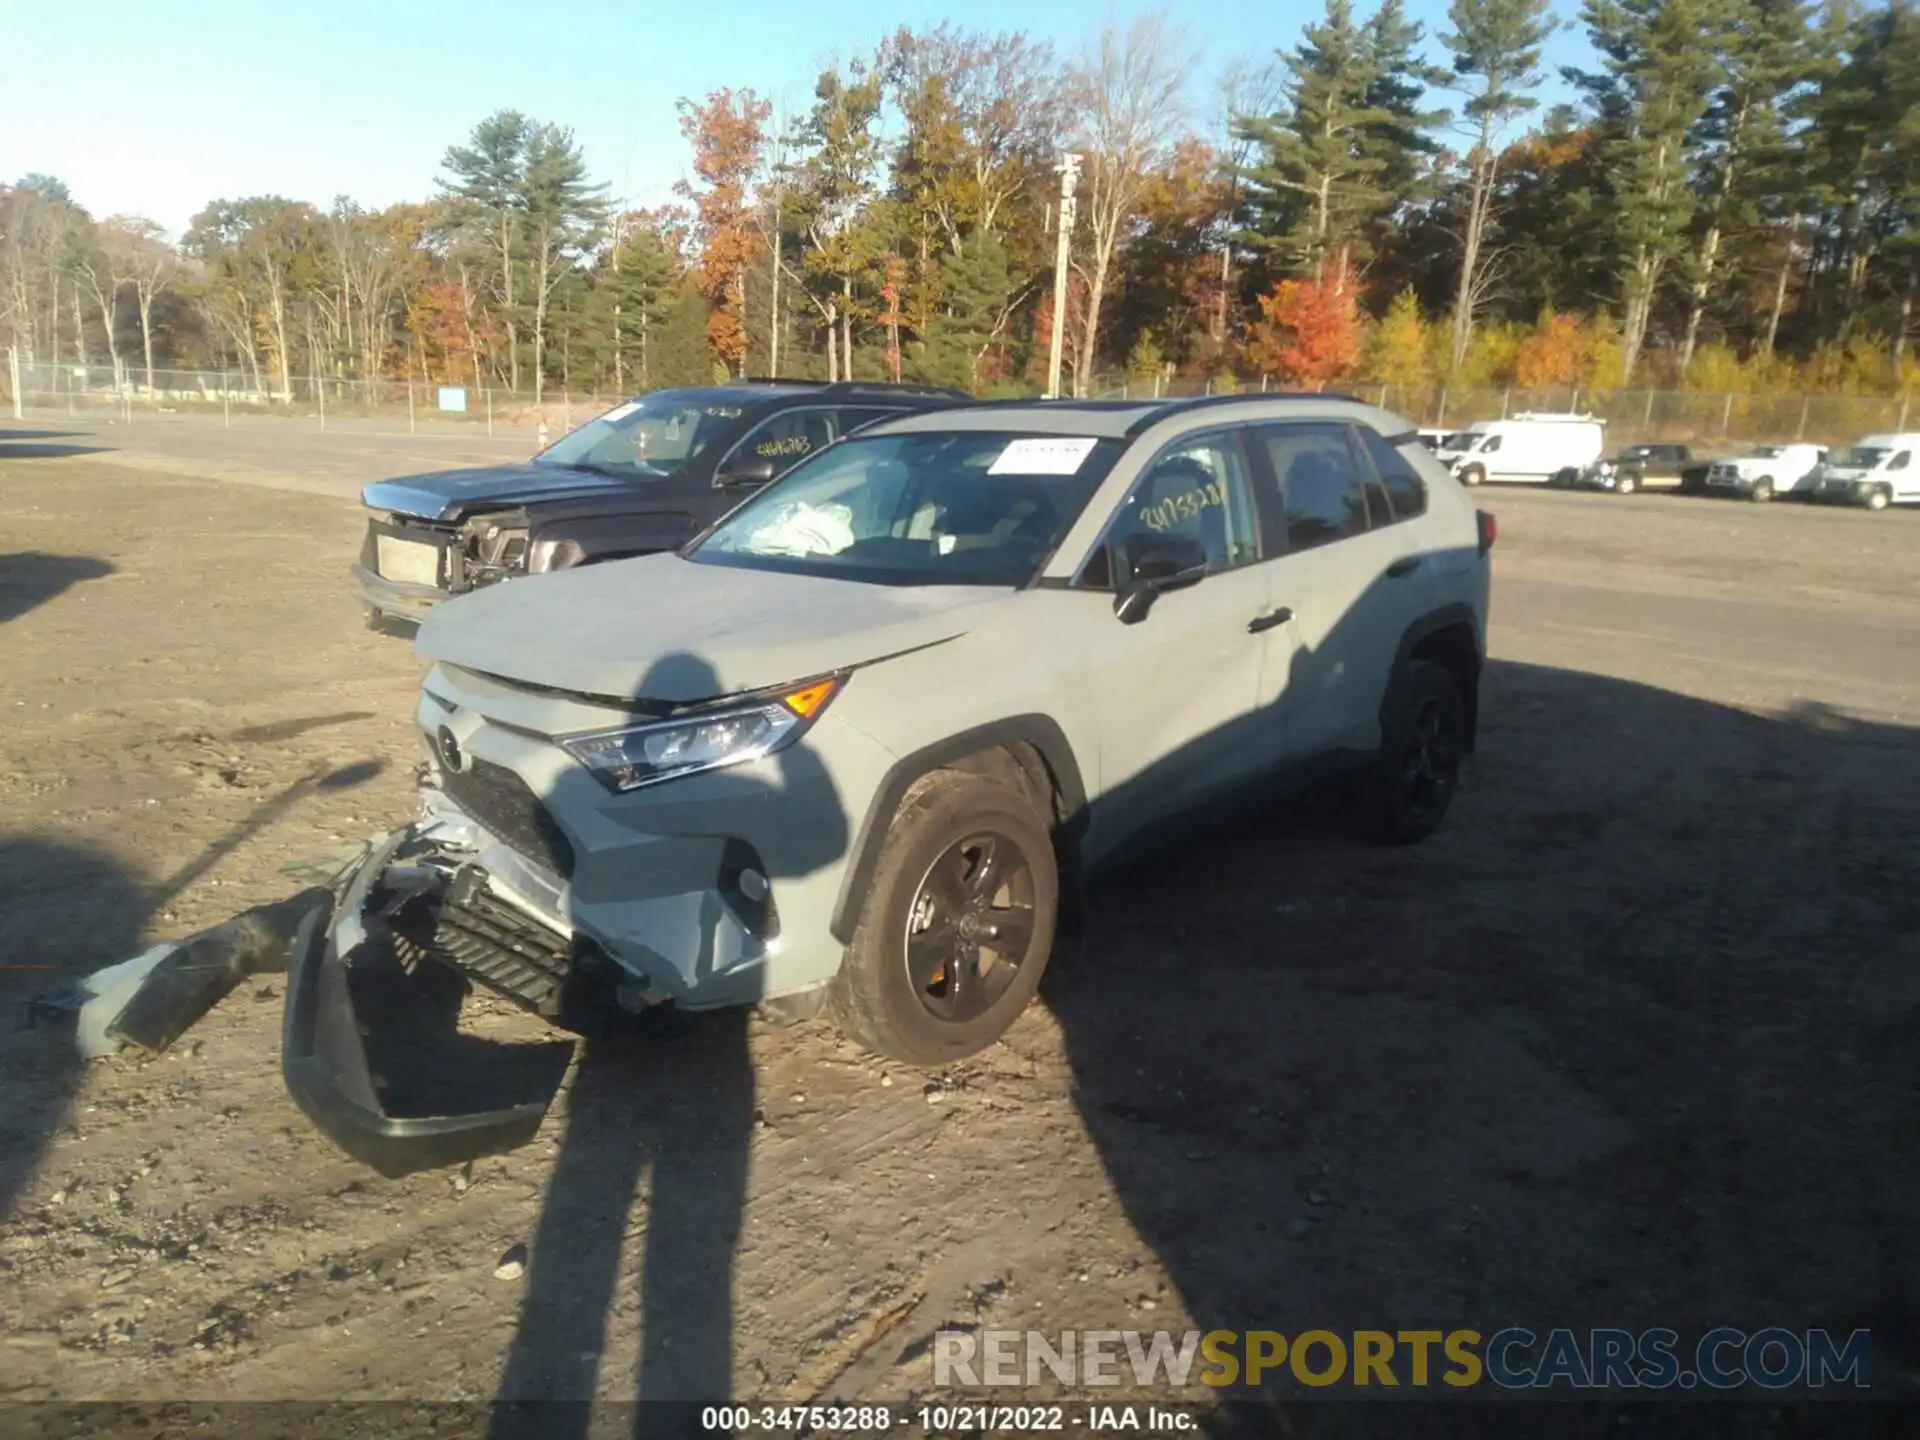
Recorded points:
(644, 477)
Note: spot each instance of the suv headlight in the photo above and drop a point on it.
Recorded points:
(731, 734)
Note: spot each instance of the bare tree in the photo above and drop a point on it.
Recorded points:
(1127, 110)
(143, 262)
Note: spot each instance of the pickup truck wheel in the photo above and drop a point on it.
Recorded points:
(1877, 500)
(1418, 771)
(958, 926)
(1763, 490)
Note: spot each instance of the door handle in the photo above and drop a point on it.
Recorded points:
(1405, 566)
(1269, 620)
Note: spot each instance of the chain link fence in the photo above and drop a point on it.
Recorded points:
(129, 390)
(1631, 416)
(126, 391)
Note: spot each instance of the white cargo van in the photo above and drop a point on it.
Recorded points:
(1879, 471)
(1529, 448)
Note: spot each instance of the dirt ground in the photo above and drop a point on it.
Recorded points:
(1632, 1042)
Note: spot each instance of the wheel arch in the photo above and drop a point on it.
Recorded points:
(1028, 750)
(1448, 636)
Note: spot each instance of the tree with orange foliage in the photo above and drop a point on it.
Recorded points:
(728, 134)
(1554, 354)
(1311, 332)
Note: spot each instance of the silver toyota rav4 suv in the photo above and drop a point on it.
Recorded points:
(859, 742)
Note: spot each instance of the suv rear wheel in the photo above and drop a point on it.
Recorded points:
(958, 925)
(1420, 753)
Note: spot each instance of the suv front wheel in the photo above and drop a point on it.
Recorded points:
(958, 925)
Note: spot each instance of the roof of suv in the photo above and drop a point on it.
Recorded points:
(757, 391)
(1117, 418)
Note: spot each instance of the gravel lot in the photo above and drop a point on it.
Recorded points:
(1632, 1042)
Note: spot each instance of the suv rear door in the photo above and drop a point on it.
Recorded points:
(1356, 574)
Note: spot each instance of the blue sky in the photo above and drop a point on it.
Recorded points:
(154, 107)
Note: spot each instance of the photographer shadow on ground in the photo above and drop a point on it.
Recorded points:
(65, 909)
(1624, 1044)
(660, 1108)
(29, 579)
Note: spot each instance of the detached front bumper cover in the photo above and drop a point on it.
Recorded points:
(324, 1061)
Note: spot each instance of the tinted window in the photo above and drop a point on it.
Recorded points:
(1197, 490)
(1406, 491)
(788, 438)
(1318, 476)
(853, 418)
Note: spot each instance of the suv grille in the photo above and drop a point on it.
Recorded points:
(504, 803)
(491, 942)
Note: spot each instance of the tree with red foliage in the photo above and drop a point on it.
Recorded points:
(1311, 333)
(728, 134)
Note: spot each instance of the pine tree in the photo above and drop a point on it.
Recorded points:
(1766, 52)
(1496, 58)
(1659, 69)
(1317, 175)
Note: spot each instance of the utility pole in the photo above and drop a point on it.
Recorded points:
(1069, 172)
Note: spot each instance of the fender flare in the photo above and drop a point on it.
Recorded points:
(1041, 732)
(1445, 617)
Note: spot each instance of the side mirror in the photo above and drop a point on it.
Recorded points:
(1158, 563)
(747, 472)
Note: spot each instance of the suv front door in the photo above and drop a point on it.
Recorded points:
(1174, 697)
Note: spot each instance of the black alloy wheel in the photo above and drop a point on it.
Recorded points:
(1432, 760)
(970, 926)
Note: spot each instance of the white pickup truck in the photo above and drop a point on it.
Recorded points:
(1766, 471)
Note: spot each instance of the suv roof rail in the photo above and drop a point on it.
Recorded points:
(859, 387)
(1164, 409)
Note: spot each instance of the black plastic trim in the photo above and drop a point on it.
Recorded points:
(1168, 409)
(324, 1064)
(1039, 731)
(1446, 617)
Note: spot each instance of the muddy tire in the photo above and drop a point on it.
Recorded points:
(1418, 771)
(1763, 490)
(957, 927)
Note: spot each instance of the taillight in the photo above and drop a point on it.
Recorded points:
(1489, 529)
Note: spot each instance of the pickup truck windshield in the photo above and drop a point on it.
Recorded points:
(650, 439)
(963, 507)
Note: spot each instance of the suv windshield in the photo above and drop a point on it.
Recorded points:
(969, 507)
(648, 439)
(1861, 457)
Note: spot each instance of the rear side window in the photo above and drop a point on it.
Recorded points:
(1320, 481)
(854, 417)
(1406, 491)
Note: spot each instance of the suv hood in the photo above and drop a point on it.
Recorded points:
(448, 494)
(665, 629)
